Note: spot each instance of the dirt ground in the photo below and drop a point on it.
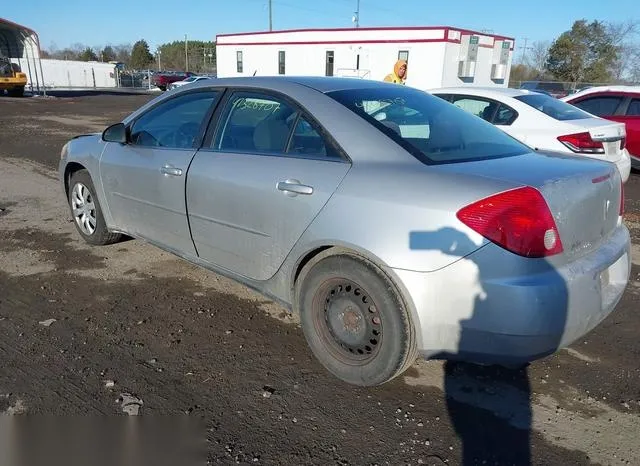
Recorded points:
(128, 329)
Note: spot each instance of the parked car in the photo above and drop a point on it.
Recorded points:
(421, 231)
(545, 123)
(555, 89)
(163, 80)
(615, 103)
(189, 80)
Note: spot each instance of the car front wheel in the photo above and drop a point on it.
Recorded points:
(86, 211)
(354, 320)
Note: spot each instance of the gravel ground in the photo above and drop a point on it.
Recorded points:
(128, 329)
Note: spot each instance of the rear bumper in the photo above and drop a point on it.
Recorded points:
(494, 307)
(624, 166)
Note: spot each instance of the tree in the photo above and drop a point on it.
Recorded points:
(537, 58)
(586, 53)
(520, 73)
(141, 58)
(123, 53)
(202, 55)
(108, 54)
(624, 35)
(87, 55)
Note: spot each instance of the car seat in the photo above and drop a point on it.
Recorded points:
(271, 135)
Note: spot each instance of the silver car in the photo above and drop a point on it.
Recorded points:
(394, 223)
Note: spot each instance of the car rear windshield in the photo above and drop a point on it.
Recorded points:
(430, 128)
(556, 109)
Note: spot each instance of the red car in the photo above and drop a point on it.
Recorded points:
(616, 103)
(162, 80)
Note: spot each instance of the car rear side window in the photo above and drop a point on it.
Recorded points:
(260, 123)
(175, 123)
(634, 108)
(428, 127)
(600, 106)
(482, 108)
(550, 106)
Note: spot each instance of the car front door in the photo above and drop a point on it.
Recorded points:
(632, 122)
(630, 116)
(144, 180)
(269, 171)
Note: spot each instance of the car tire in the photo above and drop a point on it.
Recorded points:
(354, 319)
(86, 211)
(17, 92)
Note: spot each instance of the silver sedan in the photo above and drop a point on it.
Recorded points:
(394, 223)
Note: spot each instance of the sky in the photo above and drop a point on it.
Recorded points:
(63, 23)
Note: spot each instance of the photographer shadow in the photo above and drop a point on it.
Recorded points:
(489, 404)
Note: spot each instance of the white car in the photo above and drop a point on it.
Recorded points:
(544, 122)
(189, 80)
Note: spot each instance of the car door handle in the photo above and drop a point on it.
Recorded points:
(171, 171)
(294, 187)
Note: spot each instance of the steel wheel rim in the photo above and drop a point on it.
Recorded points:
(84, 209)
(348, 321)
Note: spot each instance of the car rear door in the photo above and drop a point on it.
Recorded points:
(144, 180)
(268, 171)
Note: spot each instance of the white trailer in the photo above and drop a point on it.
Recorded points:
(437, 56)
(76, 74)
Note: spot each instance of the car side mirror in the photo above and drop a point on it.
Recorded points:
(115, 133)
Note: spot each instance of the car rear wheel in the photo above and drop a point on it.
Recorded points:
(354, 320)
(86, 211)
(17, 92)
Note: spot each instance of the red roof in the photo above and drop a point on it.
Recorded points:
(386, 28)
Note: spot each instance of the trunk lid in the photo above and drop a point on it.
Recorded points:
(609, 133)
(583, 194)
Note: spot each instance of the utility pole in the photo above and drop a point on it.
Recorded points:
(524, 50)
(270, 16)
(357, 13)
(186, 54)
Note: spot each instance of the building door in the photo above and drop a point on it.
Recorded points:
(329, 60)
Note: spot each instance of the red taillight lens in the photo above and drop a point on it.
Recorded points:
(518, 220)
(582, 143)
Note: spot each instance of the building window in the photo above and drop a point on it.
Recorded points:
(281, 62)
(328, 70)
(403, 55)
(239, 61)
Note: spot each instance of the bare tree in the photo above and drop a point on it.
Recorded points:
(537, 57)
(624, 36)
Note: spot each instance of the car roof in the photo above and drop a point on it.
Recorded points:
(598, 89)
(494, 92)
(322, 84)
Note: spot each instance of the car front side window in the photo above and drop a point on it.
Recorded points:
(174, 124)
(634, 108)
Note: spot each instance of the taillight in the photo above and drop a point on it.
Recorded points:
(518, 220)
(582, 143)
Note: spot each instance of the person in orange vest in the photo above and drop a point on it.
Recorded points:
(399, 75)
